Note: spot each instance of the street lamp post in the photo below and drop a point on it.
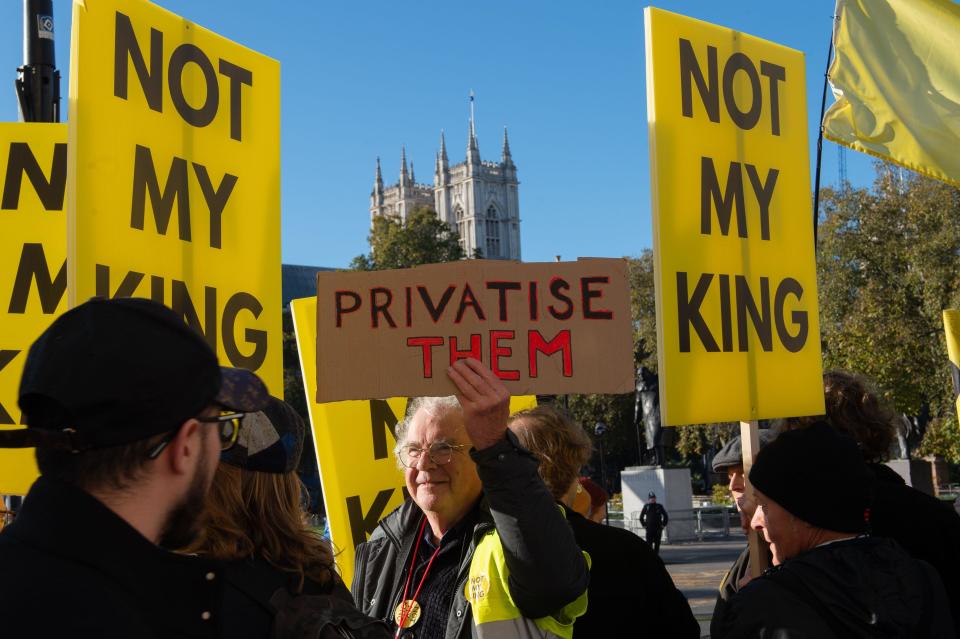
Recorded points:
(600, 429)
(38, 84)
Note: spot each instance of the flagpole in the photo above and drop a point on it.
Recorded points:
(823, 107)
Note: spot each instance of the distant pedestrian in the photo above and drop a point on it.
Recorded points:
(653, 517)
(831, 580)
(129, 412)
(626, 577)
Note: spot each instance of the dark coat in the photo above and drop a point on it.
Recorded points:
(547, 569)
(654, 516)
(924, 526)
(730, 585)
(71, 568)
(246, 599)
(627, 579)
(852, 589)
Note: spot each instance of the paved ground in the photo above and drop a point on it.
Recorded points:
(697, 569)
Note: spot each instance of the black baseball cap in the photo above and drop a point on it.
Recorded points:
(270, 440)
(115, 371)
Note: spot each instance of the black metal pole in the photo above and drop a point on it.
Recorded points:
(603, 475)
(38, 82)
(823, 107)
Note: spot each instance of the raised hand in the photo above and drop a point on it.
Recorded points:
(485, 401)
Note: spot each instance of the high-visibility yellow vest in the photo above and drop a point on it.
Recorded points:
(495, 616)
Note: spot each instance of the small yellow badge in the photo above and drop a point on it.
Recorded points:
(477, 588)
(407, 613)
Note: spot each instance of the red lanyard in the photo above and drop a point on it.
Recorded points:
(406, 587)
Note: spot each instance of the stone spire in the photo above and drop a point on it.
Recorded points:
(507, 159)
(473, 149)
(378, 182)
(403, 166)
(443, 152)
(413, 180)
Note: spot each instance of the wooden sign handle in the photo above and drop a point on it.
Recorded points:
(750, 444)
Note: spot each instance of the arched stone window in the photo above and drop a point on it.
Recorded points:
(461, 227)
(493, 232)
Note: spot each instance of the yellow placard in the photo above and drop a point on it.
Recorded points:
(951, 326)
(33, 249)
(738, 330)
(354, 446)
(174, 137)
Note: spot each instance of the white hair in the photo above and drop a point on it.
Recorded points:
(437, 407)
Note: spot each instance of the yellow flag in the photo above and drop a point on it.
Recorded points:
(896, 82)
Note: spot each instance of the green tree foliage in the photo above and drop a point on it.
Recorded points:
(887, 268)
(942, 438)
(643, 309)
(620, 440)
(422, 239)
(721, 495)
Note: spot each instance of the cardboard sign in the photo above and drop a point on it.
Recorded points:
(738, 332)
(355, 440)
(542, 328)
(175, 176)
(33, 278)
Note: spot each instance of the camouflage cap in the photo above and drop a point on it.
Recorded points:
(270, 440)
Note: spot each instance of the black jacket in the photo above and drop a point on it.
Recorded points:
(247, 613)
(730, 585)
(924, 526)
(547, 570)
(852, 589)
(628, 580)
(70, 567)
(654, 516)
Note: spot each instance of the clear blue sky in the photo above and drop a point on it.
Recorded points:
(360, 79)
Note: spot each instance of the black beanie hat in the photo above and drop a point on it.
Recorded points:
(818, 475)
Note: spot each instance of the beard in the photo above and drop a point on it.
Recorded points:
(183, 522)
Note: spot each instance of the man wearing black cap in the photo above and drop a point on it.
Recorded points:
(129, 411)
(654, 518)
(832, 580)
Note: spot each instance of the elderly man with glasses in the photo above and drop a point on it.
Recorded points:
(480, 549)
(129, 411)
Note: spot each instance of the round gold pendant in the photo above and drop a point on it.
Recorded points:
(409, 609)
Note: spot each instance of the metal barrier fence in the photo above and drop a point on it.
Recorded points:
(707, 522)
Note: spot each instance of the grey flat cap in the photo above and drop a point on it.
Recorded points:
(732, 453)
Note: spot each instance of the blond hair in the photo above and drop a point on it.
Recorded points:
(562, 446)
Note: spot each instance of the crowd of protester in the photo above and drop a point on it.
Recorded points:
(168, 506)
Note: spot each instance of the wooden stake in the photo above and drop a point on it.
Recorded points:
(750, 444)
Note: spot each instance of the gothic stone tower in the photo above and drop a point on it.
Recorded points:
(477, 198)
(401, 198)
